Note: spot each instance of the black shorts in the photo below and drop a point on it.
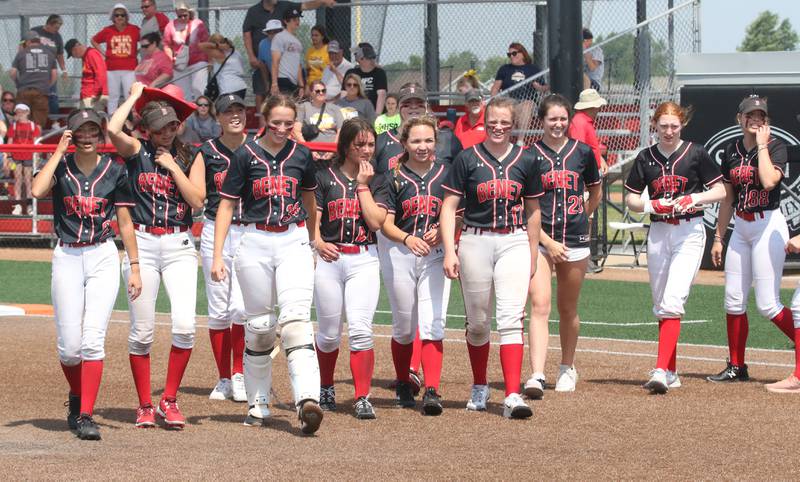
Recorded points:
(259, 84)
(286, 86)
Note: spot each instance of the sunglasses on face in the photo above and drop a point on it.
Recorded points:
(146, 6)
(120, 15)
(512, 54)
(320, 91)
(203, 105)
(350, 84)
(11, 99)
(183, 15)
(144, 46)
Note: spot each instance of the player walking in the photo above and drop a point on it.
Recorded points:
(273, 178)
(166, 187)
(415, 281)
(569, 169)
(226, 316)
(88, 188)
(498, 249)
(753, 168)
(351, 205)
(679, 177)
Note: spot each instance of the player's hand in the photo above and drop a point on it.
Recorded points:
(662, 206)
(134, 285)
(136, 89)
(329, 3)
(716, 253)
(603, 167)
(254, 62)
(274, 89)
(327, 251)
(365, 173)
(793, 246)
(433, 236)
(417, 246)
(685, 204)
(451, 265)
(218, 271)
(762, 135)
(164, 159)
(558, 252)
(63, 143)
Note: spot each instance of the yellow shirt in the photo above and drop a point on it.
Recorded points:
(316, 62)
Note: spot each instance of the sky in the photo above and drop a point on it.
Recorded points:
(723, 22)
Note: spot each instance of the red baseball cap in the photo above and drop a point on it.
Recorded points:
(173, 95)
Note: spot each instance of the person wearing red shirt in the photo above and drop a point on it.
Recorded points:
(182, 39)
(22, 131)
(121, 39)
(94, 81)
(155, 69)
(469, 127)
(581, 128)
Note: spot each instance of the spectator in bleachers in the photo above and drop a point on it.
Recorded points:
(34, 71)
(334, 74)
(22, 131)
(390, 119)
(318, 120)
(373, 78)
(581, 127)
(519, 67)
(287, 57)
(354, 103)
(182, 38)
(7, 107)
(155, 69)
(153, 21)
(51, 38)
(469, 128)
(468, 81)
(227, 64)
(317, 58)
(201, 125)
(94, 78)
(121, 39)
(593, 66)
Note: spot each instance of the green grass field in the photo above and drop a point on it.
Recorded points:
(611, 309)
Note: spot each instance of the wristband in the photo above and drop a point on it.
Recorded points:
(362, 189)
(131, 263)
(406, 238)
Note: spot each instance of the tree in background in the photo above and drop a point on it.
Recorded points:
(620, 61)
(764, 34)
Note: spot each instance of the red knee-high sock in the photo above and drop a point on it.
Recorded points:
(327, 365)
(797, 352)
(362, 364)
(672, 361)
(221, 347)
(401, 356)
(140, 367)
(91, 373)
(479, 360)
(178, 359)
(669, 330)
(73, 375)
(784, 321)
(237, 347)
(511, 361)
(432, 362)
(738, 329)
(416, 354)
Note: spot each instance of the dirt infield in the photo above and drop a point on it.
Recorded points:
(609, 429)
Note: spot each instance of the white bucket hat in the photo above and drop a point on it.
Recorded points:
(119, 6)
(589, 98)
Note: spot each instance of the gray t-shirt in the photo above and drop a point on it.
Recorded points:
(231, 78)
(34, 65)
(597, 74)
(200, 130)
(330, 124)
(291, 55)
(360, 107)
(52, 40)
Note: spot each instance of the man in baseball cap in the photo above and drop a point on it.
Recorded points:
(94, 78)
(334, 74)
(470, 128)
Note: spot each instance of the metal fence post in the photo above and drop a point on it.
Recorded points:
(24, 25)
(338, 26)
(696, 27)
(642, 71)
(431, 47)
(564, 47)
(202, 10)
(540, 37)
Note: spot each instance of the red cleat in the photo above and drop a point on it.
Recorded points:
(145, 416)
(169, 411)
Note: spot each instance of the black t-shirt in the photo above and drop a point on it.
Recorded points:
(159, 203)
(415, 201)
(565, 177)
(337, 203)
(83, 206)
(494, 190)
(217, 158)
(270, 186)
(688, 170)
(740, 169)
(371, 83)
(511, 75)
(388, 149)
(256, 19)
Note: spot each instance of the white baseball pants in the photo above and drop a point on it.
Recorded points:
(225, 304)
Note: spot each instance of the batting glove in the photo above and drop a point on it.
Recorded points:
(686, 204)
(659, 206)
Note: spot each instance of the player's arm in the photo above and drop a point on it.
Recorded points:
(327, 251)
(191, 187)
(447, 225)
(373, 214)
(418, 246)
(723, 219)
(310, 204)
(534, 222)
(222, 224)
(125, 145)
(46, 179)
(126, 232)
(768, 174)
(595, 195)
(314, 4)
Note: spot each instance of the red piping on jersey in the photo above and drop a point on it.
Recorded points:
(416, 218)
(393, 137)
(91, 194)
(344, 196)
(269, 172)
(283, 199)
(553, 213)
(508, 169)
(227, 159)
(78, 183)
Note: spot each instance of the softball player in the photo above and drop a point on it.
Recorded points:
(569, 169)
(273, 178)
(679, 177)
(351, 205)
(87, 189)
(225, 306)
(498, 248)
(415, 280)
(753, 168)
(166, 187)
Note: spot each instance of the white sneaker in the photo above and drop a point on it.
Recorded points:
(567, 378)
(237, 384)
(658, 382)
(672, 380)
(222, 391)
(479, 397)
(515, 407)
(17, 211)
(257, 415)
(534, 387)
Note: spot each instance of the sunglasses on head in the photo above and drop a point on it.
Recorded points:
(512, 53)
(144, 5)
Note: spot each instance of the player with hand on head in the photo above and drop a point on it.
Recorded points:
(273, 179)
(569, 169)
(351, 206)
(226, 315)
(166, 186)
(88, 188)
(415, 281)
(753, 167)
(679, 177)
(500, 183)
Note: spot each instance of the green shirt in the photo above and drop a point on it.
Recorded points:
(386, 123)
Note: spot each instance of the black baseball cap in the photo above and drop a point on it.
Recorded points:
(292, 13)
(79, 117)
(224, 102)
(752, 103)
(71, 43)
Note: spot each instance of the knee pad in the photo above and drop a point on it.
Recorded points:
(257, 379)
(260, 334)
(300, 311)
(183, 340)
(297, 339)
(478, 335)
(138, 347)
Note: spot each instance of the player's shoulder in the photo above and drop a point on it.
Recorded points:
(583, 148)
(301, 151)
(695, 149)
(325, 175)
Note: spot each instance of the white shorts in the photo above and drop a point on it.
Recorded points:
(573, 254)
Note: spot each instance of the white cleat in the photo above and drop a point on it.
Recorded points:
(672, 380)
(222, 391)
(237, 385)
(257, 416)
(567, 378)
(534, 388)
(658, 382)
(478, 398)
(515, 407)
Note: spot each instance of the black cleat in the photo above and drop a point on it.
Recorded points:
(405, 395)
(327, 398)
(73, 411)
(363, 409)
(87, 429)
(731, 373)
(431, 402)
